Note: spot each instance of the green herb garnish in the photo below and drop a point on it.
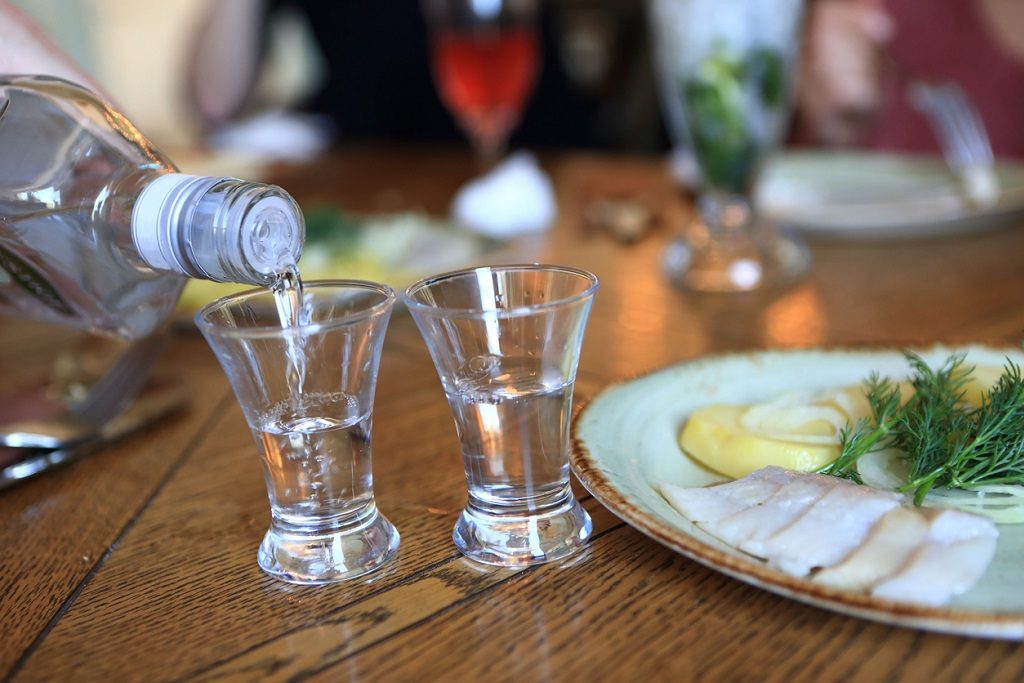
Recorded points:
(728, 99)
(764, 67)
(328, 225)
(947, 442)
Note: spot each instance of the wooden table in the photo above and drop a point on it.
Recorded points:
(139, 562)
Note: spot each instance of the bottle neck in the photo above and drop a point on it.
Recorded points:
(219, 229)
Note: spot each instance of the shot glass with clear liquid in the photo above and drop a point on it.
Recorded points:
(307, 391)
(505, 341)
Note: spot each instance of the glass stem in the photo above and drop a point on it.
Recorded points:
(489, 150)
(725, 214)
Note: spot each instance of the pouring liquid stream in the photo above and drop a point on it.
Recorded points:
(291, 309)
(316, 444)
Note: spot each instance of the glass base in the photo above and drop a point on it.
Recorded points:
(523, 540)
(736, 260)
(319, 556)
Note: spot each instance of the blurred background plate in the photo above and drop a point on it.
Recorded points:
(396, 249)
(861, 195)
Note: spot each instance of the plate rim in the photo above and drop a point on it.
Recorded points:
(963, 220)
(587, 469)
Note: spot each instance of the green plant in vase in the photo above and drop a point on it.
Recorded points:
(721, 99)
(730, 67)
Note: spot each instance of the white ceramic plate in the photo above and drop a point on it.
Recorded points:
(852, 195)
(625, 445)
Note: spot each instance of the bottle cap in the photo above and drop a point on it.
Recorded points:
(272, 237)
(157, 214)
(220, 229)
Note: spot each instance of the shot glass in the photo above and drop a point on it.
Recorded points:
(505, 341)
(307, 394)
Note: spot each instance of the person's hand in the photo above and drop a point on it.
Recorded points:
(840, 87)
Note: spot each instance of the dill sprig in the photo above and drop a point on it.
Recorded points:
(946, 441)
(868, 435)
(995, 453)
(934, 424)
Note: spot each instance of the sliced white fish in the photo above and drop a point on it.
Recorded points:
(776, 512)
(827, 531)
(712, 503)
(954, 555)
(887, 548)
(949, 526)
(861, 537)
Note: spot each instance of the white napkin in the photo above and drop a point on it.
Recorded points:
(274, 135)
(515, 198)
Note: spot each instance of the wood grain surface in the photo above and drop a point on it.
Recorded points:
(139, 563)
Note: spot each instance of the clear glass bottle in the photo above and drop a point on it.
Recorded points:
(99, 231)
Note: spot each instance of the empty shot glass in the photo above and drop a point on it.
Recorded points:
(505, 341)
(307, 394)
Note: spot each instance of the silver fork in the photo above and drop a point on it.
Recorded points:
(962, 135)
(107, 397)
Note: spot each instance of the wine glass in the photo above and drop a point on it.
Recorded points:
(485, 55)
(725, 69)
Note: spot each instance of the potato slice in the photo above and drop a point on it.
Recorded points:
(980, 381)
(714, 436)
